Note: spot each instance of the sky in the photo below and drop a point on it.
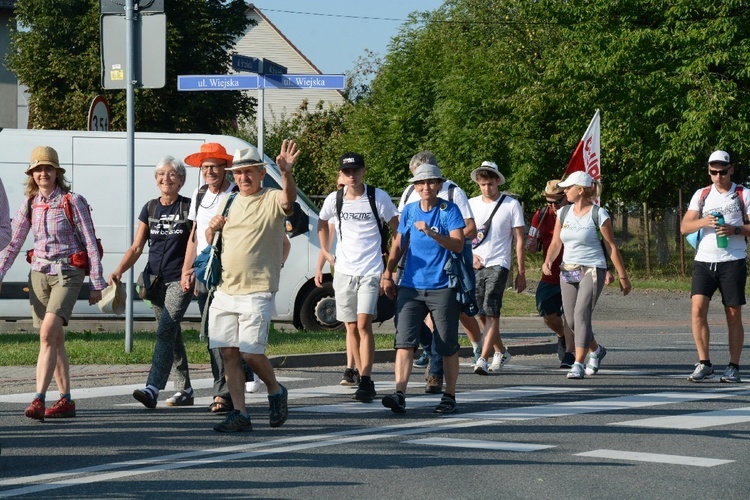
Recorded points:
(333, 34)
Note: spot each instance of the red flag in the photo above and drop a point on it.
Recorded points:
(587, 155)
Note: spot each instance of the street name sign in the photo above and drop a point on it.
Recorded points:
(216, 82)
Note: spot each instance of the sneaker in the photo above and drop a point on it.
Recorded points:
(234, 422)
(434, 385)
(181, 398)
(351, 377)
(593, 360)
(576, 371)
(561, 348)
(568, 360)
(36, 409)
(477, 355)
(365, 392)
(146, 397)
(396, 402)
(422, 361)
(61, 409)
(278, 408)
(731, 375)
(481, 367)
(253, 385)
(447, 405)
(499, 360)
(701, 373)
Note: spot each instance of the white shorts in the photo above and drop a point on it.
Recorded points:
(240, 321)
(355, 295)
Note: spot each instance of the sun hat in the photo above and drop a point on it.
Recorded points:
(351, 160)
(488, 166)
(208, 150)
(719, 156)
(248, 157)
(44, 155)
(579, 178)
(426, 172)
(553, 189)
(113, 299)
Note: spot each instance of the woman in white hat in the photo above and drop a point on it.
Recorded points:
(583, 268)
(65, 251)
(163, 224)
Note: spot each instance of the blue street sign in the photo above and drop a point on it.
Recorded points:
(217, 82)
(327, 82)
(245, 63)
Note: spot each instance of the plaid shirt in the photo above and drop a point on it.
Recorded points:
(5, 231)
(54, 237)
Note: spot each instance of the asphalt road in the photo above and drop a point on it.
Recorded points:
(636, 429)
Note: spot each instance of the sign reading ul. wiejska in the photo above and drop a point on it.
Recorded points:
(252, 82)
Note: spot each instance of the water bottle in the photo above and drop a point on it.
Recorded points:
(721, 241)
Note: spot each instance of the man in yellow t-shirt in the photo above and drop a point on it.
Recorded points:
(251, 257)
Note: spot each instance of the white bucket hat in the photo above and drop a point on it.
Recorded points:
(113, 299)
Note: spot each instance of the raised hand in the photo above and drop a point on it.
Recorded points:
(288, 155)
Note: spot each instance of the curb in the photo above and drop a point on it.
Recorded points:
(389, 356)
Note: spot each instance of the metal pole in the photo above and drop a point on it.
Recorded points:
(130, 20)
(261, 109)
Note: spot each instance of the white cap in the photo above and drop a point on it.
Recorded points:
(579, 178)
(719, 156)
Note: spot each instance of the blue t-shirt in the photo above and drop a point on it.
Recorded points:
(169, 232)
(425, 259)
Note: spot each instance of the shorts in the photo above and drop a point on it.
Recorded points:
(48, 295)
(412, 307)
(241, 321)
(727, 277)
(355, 295)
(491, 283)
(548, 299)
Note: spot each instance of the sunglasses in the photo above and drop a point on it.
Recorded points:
(556, 202)
(718, 172)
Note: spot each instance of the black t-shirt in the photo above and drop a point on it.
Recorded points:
(169, 232)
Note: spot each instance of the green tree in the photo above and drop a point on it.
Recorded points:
(56, 54)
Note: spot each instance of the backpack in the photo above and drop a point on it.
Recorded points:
(78, 259)
(382, 228)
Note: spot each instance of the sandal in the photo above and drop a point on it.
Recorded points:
(220, 405)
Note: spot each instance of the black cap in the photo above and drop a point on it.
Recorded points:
(351, 160)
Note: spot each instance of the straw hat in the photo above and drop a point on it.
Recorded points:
(113, 299)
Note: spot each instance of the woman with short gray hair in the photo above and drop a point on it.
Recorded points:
(163, 224)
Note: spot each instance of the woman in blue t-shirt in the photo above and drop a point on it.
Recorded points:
(163, 223)
(584, 265)
(428, 231)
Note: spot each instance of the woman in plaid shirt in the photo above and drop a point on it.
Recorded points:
(54, 283)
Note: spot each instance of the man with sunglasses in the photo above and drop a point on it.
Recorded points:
(715, 268)
(548, 296)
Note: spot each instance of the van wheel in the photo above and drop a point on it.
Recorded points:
(318, 312)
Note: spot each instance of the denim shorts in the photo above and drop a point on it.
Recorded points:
(413, 306)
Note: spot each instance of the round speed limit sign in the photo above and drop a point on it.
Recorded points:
(99, 114)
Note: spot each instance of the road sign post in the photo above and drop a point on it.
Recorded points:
(99, 114)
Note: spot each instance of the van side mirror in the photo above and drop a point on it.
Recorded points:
(297, 223)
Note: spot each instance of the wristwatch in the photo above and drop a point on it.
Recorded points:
(737, 229)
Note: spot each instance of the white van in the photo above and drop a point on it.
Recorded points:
(95, 164)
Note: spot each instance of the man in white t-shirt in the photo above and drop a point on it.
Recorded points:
(355, 210)
(451, 192)
(720, 262)
(499, 220)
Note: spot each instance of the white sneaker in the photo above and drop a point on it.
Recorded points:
(481, 367)
(253, 385)
(499, 359)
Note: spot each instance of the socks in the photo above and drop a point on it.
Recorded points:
(66, 396)
(41, 396)
(706, 362)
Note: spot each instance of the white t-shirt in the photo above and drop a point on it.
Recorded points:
(580, 238)
(497, 247)
(209, 207)
(459, 198)
(727, 204)
(358, 246)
